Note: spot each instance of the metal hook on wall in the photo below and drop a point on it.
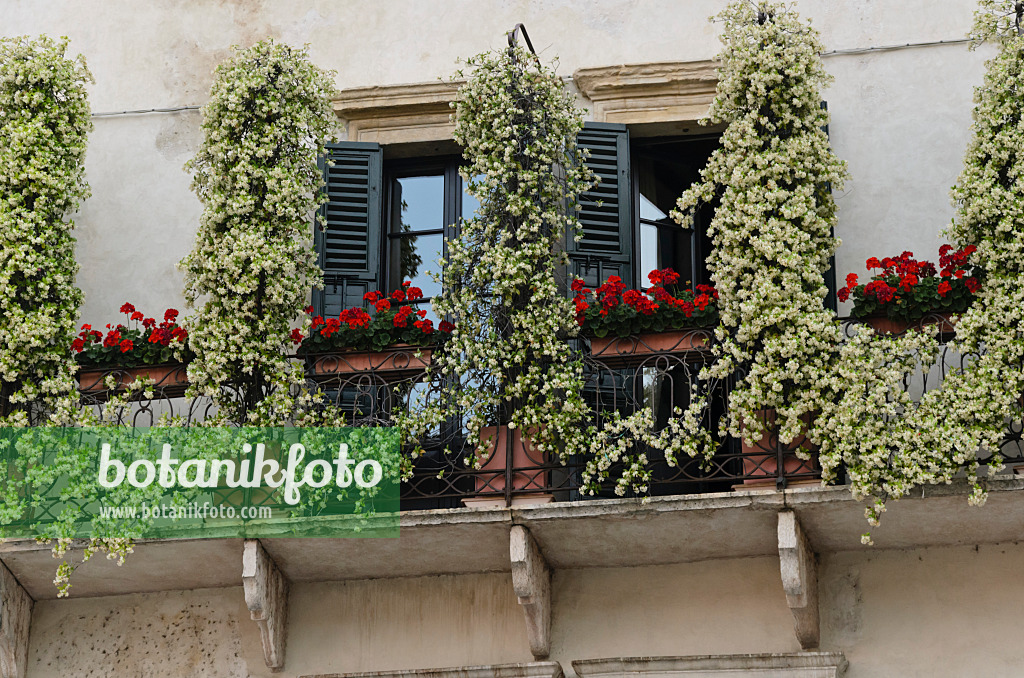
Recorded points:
(514, 34)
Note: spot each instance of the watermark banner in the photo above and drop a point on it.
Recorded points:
(137, 483)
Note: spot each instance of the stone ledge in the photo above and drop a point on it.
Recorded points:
(795, 665)
(523, 670)
(601, 533)
(398, 114)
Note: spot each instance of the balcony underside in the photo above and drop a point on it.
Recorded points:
(602, 533)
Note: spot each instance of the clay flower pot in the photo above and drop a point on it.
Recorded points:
(529, 482)
(885, 325)
(398, 360)
(761, 462)
(611, 350)
(169, 379)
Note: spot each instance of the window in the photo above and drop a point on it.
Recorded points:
(386, 221)
(662, 169)
(425, 199)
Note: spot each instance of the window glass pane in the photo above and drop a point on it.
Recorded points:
(470, 205)
(650, 211)
(648, 252)
(418, 203)
(414, 258)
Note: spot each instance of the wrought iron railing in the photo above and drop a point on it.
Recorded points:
(661, 371)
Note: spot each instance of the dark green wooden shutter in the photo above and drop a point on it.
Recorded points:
(831, 301)
(349, 246)
(606, 213)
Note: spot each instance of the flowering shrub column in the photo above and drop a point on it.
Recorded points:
(256, 173)
(507, 361)
(772, 233)
(44, 121)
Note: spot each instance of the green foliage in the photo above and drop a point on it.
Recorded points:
(253, 263)
(772, 233)
(44, 122)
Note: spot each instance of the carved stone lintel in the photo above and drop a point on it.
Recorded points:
(799, 579)
(266, 595)
(650, 93)
(531, 580)
(394, 114)
(15, 618)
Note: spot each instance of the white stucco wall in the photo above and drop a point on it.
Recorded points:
(901, 119)
(927, 613)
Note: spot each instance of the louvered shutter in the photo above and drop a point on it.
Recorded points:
(606, 213)
(831, 301)
(349, 246)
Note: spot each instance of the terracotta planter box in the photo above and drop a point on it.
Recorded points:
(491, 476)
(884, 325)
(169, 379)
(626, 349)
(761, 467)
(398, 360)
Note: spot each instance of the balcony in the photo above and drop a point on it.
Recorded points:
(622, 376)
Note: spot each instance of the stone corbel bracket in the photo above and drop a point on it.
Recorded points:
(15, 618)
(799, 579)
(531, 580)
(266, 596)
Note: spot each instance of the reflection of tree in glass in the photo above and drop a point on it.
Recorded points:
(410, 260)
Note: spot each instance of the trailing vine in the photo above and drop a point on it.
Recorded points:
(44, 122)
(772, 234)
(253, 263)
(951, 431)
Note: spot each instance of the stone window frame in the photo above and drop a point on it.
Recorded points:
(522, 670)
(660, 96)
(785, 665)
(670, 93)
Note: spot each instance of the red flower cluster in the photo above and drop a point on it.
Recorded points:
(163, 334)
(392, 320)
(618, 306)
(906, 288)
(903, 273)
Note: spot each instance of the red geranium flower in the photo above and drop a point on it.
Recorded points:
(382, 305)
(371, 297)
(127, 308)
(972, 285)
(944, 288)
(843, 294)
(297, 336)
(126, 345)
(425, 326)
(398, 295)
(577, 285)
(414, 293)
(446, 326)
(851, 280)
(171, 314)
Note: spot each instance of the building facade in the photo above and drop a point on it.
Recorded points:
(707, 582)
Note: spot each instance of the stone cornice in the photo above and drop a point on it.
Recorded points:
(393, 114)
(676, 91)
